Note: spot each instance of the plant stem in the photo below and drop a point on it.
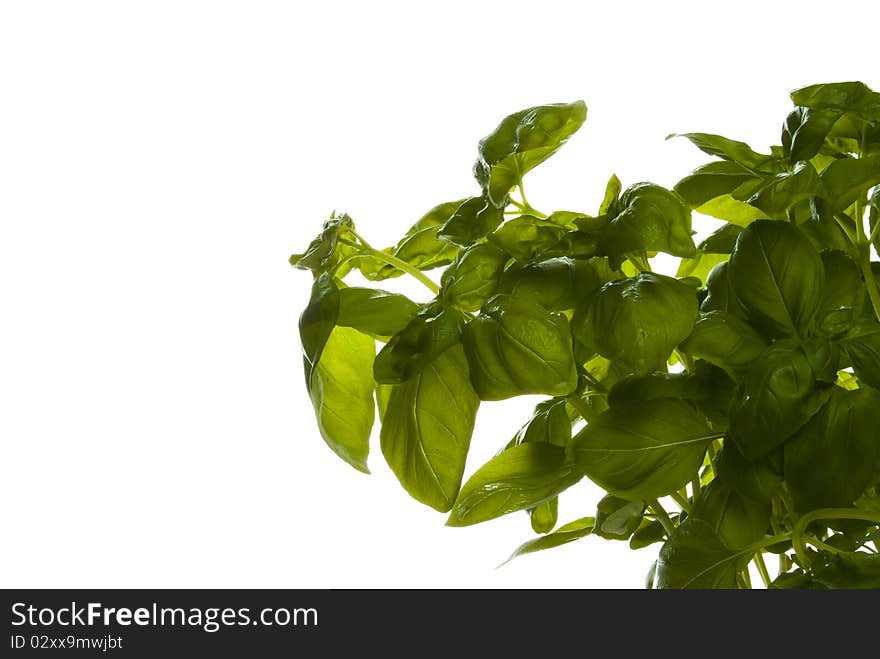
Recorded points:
(696, 487)
(762, 568)
(681, 501)
(578, 403)
(368, 250)
(746, 577)
(797, 533)
(662, 516)
(870, 281)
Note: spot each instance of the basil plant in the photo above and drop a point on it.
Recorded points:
(729, 412)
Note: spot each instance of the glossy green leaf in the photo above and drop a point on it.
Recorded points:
(580, 528)
(516, 347)
(326, 251)
(474, 276)
(713, 180)
(731, 150)
(854, 97)
(730, 209)
(650, 532)
(557, 284)
(543, 516)
(550, 423)
(634, 390)
(526, 237)
(722, 241)
(779, 193)
(638, 321)
(522, 141)
(862, 346)
(432, 331)
(874, 218)
(839, 571)
(848, 179)
(648, 217)
(725, 340)
(759, 479)
(778, 277)
(644, 454)
(779, 394)
(618, 519)
(472, 221)
(341, 389)
(694, 557)
(720, 295)
(738, 521)
(375, 312)
(520, 477)
(421, 246)
(844, 298)
(427, 427)
(804, 132)
(317, 322)
(835, 456)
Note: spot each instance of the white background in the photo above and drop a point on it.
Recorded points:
(159, 162)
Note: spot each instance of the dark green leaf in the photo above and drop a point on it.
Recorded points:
(795, 580)
(724, 340)
(778, 396)
(341, 389)
(326, 251)
(420, 247)
(759, 479)
(722, 241)
(432, 331)
(317, 321)
(854, 97)
(720, 295)
(516, 347)
(862, 346)
(549, 423)
(543, 516)
(712, 188)
(848, 179)
(638, 321)
(520, 477)
(844, 298)
(804, 132)
(738, 521)
(580, 528)
(617, 519)
(731, 150)
(474, 276)
(427, 427)
(634, 390)
(694, 557)
(526, 237)
(522, 141)
(644, 454)
(647, 534)
(475, 218)
(557, 284)
(874, 217)
(779, 193)
(648, 217)
(778, 277)
(378, 313)
(838, 571)
(835, 456)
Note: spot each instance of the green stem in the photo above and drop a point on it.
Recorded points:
(594, 383)
(681, 501)
(578, 404)
(797, 534)
(762, 568)
(840, 222)
(368, 250)
(746, 577)
(875, 232)
(870, 281)
(696, 487)
(662, 516)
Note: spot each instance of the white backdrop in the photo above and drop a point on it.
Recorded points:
(159, 162)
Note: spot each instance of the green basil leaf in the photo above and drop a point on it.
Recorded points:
(853, 97)
(722, 241)
(520, 477)
(862, 346)
(471, 221)
(778, 277)
(759, 479)
(779, 394)
(649, 533)
(326, 251)
(341, 390)
(648, 217)
(835, 456)
(804, 132)
(874, 217)
(694, 557)
(473, 277)
(720, 295)
(550, 423)
(725, 340)
(427, 427)
(557, 284)
(844, 298)
(639, 321)
(516, 347)
(738, 521)
(854, 570)
(432, 331)
(580, 528)
(522, 141)
(848, 179)
(618, 519)
(526, 237)
(795, 580)
(375, 312)
(713, 180)
(731, 150)
(644, 455)
(779, 193)
(421, 246)
(634, 390)
(543, 516)
(317, 321)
